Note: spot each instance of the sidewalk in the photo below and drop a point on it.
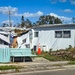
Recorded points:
(35, 63)
(33, 66)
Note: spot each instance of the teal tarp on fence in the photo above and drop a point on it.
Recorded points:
(4, 55)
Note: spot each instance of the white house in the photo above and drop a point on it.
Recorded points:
(55, 36)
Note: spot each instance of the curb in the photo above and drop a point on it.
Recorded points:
(37, 67)
(30, 69)
(7, 71)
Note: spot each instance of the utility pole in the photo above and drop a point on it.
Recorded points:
(9, 13)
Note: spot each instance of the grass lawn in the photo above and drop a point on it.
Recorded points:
(9, 67)
(71, 63)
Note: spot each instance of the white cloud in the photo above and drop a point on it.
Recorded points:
(39, 13)
(54, 1)
(63, 18)
(5, 10)
(13, 12)
(27, 14)
(52, 14)
(7, 21)
(67, 10)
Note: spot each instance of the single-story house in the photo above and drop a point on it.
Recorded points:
(55, 36)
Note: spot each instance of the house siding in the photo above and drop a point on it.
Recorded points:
(47, 38)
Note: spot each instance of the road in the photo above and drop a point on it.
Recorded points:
(51, 72)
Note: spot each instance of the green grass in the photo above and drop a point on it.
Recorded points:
(57, 65)
(9, 67)
(71, 63)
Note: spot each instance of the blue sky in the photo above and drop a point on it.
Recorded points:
(32, 9)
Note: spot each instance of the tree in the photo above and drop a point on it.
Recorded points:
(23, 22)
(4, 25)
(34, 24)
(50, 22)
(73, 19)
(37, 23)
(42, 20)
(28, 23)
(48, 19)
(57, 20)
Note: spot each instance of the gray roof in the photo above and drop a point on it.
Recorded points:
(53, 25)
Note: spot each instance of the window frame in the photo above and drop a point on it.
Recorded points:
(36, 34)
(69, 34)
(56, 34)
(63, 34)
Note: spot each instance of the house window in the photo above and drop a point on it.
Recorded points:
(62, 34)
(35, 34)
(66, 34)
(24, 40)
(1, 41)
(58, 34)
(27, 45)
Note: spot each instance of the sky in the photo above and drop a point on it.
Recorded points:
(33, 9)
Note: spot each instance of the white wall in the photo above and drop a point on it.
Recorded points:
(47, 38)
(61, 43)
(4, 46)
(20, 40)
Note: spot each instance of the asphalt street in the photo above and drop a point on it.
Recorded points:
(49, 72)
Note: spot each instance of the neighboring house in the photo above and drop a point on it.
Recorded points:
(55, 37)
(12, 36)
(4, 39)
(21, 41)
